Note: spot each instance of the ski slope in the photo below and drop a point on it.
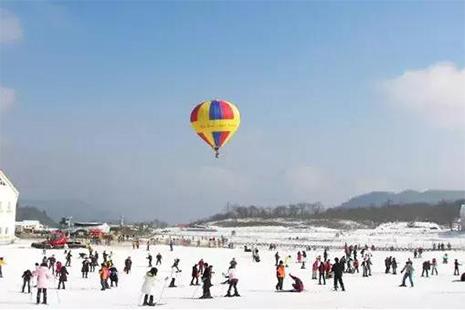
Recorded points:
(256, 281)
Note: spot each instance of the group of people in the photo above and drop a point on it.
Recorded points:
(323, 268)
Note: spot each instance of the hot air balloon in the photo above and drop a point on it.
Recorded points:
(215, 121)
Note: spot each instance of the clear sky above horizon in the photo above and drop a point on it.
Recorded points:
(336, 98)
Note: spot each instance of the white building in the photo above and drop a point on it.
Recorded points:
(8, 199)
(29, 226)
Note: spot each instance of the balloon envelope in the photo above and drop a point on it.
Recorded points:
(215, 121)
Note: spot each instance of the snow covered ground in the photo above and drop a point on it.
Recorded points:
(256, 280)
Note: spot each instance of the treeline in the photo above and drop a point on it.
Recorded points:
(297, 211)
(443, 213)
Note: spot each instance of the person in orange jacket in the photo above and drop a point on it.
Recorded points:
(280, 274)
(104, 274)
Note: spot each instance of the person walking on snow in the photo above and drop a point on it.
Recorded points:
(85, 268)
(27, 275)
(104, 274)
(201, 264)
(426, 267)
(42, 274)
(51, 263)
(149, 257)
(158, 262)
(434, 265)
(321, 273)
(338, 269)
(63, 277)
(280, 274)
(408, 268)
(207, 281)
(195, 275)
(127, 265)
(315, 265)
(276, 257)
(394, 265)
(68, 259)
(113, 276)
(456, 268)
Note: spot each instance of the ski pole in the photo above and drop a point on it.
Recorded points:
(56, 290)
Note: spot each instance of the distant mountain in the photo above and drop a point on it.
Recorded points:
(378, 199)
(32, 213)
(79, 210)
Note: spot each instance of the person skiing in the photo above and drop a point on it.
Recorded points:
(321, 273)
(149, 257)
(299, 257)
(456, 268)
(206, 279)
(298, 285)
(105, 256)
(338, 269)
(232, 281)
(63, 277)
(195, 275)
(171, 245)
(158, 262)
(394, 265)
(149, 286)
(113, 276)
(408, 268)
(127, 265)
(27, 275)
(85, 268)
(104, 273)
(174, 272)
(42, 274)
(280, 274)
(325, 255)
(445, 258)
(276, 257)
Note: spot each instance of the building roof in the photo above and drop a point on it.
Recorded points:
(4, 179)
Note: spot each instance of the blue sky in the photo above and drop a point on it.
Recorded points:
(336, 100)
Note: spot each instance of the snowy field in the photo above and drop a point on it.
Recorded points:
(256, 280)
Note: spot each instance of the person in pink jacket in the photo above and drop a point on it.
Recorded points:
(43, 275)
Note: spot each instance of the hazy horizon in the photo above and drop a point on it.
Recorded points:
(336, 100)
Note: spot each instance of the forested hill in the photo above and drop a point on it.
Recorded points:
(32, 213)
(379, 199)
(442, 213)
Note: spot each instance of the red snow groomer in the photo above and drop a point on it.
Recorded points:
(57, 240)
